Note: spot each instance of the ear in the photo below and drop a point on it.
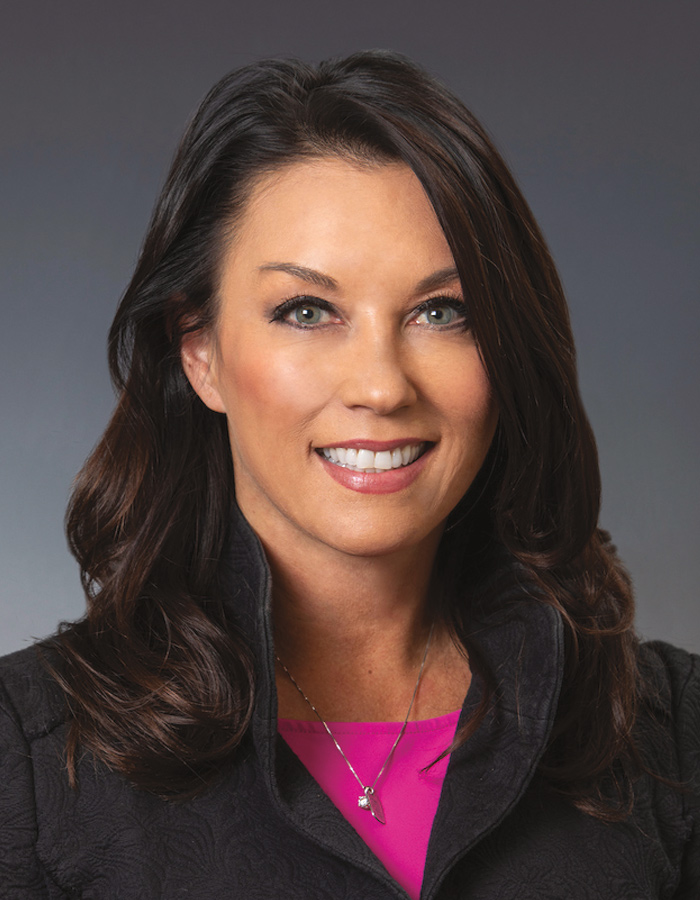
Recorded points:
(198, 357)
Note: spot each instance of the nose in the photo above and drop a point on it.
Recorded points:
(376, 374)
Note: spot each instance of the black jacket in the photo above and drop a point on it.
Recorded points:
(266, 830)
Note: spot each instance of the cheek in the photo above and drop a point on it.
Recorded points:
(484, 409)
(267, 393)
(469, 403)
(475, 419)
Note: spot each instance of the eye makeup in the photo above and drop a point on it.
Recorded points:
(301, 303)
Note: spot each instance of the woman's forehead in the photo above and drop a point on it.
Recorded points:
(327, 214)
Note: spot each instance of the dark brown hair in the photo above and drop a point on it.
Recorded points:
(159, 682)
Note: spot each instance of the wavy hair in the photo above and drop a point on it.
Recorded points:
(159, 681)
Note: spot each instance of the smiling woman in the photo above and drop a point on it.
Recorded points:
(348, 601)
(333, 366)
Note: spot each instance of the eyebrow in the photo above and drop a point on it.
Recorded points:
(437, 280)
(310, 275)
(432, 282)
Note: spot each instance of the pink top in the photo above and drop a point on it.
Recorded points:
(408, 795)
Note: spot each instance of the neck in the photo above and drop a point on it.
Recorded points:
(337, 606)
(353, 631)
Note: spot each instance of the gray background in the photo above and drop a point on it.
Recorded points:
(594, 105)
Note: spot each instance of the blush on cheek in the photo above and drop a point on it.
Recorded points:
(262, 393)
(470, 398)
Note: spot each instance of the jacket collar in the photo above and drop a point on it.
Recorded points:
(520, 639)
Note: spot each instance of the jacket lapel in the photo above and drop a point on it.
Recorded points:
(522, 643)
(520, 640)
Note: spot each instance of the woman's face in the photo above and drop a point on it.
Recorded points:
(358, 407)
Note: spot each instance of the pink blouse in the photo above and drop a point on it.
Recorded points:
(408, 795)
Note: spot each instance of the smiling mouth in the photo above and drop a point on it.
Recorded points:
(370, 462)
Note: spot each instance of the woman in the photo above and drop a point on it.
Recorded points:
(352, 628)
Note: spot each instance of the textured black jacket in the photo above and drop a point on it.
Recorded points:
(266, 830)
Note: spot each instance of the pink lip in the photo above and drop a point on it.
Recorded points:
(388, 482)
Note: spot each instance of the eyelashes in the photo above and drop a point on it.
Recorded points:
(445, 312)
(302, 311)
(433, 311)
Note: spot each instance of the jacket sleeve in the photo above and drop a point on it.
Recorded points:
(687, 714)
(22, 876)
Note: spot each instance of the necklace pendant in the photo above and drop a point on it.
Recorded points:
(371, 802)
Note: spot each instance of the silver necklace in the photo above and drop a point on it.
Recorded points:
(368, 799)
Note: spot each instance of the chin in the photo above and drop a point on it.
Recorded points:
(378, 542)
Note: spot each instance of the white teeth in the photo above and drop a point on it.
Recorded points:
(382, 460)
(365, 459)
(373, 463)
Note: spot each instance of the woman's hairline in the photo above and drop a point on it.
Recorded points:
(254, 186)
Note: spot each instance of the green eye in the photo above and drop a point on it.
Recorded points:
(307, 315)
(441, 315)
(304, 312)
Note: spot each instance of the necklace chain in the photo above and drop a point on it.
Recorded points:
(368, 799)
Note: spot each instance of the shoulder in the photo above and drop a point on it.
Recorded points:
(32, 708)
(670, 724)
(670, 678)
(30, 697)
(676, 667)
(671, 686)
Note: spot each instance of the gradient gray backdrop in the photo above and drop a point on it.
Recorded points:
(594, 105)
